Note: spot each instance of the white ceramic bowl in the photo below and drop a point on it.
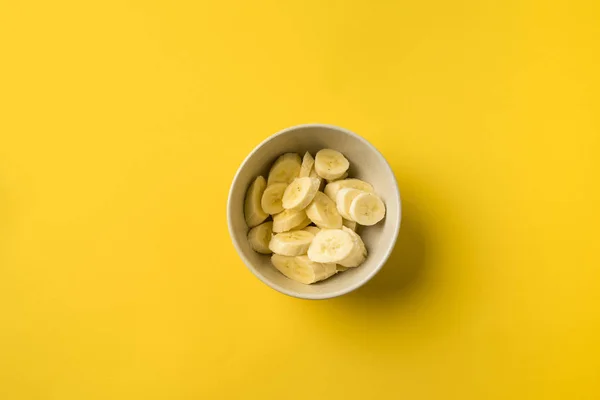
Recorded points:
(366, 163)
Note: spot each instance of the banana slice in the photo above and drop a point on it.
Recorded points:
(331, 245)
(349, 224)
(253, 211)
(300, 193)
(302, 269)
(343, 200)
(307, 165)
(288, 220)
(313, 174)
(271, 198)
(337, 179)
(359, 251)
(302, 225)
(285, 169)
(357, 240)
(312, 229)
(330, 164)
(293, 243)
(367, 209)
(323, 212)
(332, 188)
(260, 236)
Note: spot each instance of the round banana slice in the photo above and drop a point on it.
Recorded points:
(300, 193)
(271, 198)
(253, 211)
(332, 188)
(285, 169)
(343, 200)
(323, 212)
(367, 209)
(331, 246)
(292, 243)
(312, 229)
(288, 220)
(302, 269)
(307, 165)
(260, 237)
(359, 251)
(330, 164)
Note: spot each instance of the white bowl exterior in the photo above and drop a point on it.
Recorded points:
(366, 163)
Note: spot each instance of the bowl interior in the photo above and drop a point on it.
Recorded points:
(366, 163)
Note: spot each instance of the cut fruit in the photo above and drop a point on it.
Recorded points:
(285, 169)
(300, 193)
(367, 209)
(307, 165)
(313, 174)
(253, 211)
(288, 220)
(323, 212)
(312, 229)
(302, 225)
(331, 245)
(343, 200)
(260, 237)
(293, 243)
(302, 269)
(332, 188)
(359, 251)
(330, 164)
(271, 198)
(337, 179)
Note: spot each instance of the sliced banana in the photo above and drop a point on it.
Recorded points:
(285, 169)
(302, 269)
(367, 209)
(260, 236)
(331, 245)
(312, 229)
(343, 200)
(293, 243)
(303, 224)
(313, 174)
(304, 253)
(330, 164)
(307, 165)
(300, 193)
(349, 224)
(337, 179)
(323, 212)
(332, 188)
(253, 211)
(359, 251)
(357, 240)
(288, 220)
(271, 198)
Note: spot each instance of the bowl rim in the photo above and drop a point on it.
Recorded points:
(314, 296)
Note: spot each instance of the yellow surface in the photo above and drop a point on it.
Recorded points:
(123, 123)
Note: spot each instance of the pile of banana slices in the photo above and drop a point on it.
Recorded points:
(316, 191)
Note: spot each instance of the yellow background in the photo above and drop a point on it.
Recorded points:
(122, 124)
